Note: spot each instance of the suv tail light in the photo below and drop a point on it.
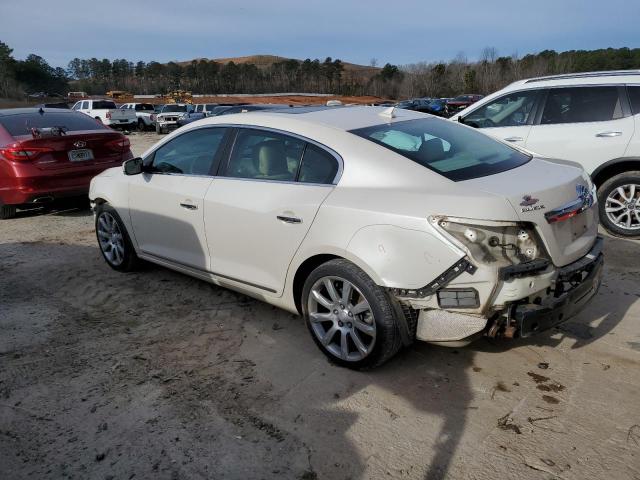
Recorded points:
(18, 153)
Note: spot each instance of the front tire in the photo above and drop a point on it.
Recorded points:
(619, 204)
(113, 240)
(350, 318)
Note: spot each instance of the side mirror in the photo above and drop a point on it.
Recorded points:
(461, 120)
(133, 166)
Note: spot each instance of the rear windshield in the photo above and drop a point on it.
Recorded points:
(22, 123)
(454, 151)
(103, 105)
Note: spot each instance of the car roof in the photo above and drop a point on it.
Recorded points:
(580, 78)
(342, 118)
(5, 112)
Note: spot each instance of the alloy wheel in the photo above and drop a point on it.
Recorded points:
(110, 238)
(341, 318)
(622, 206)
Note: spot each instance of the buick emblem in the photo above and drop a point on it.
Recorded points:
(80, 144)
(528, 200)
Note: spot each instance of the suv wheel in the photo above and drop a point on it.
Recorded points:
(141, 126)
(7, 211)
(619, 199)
(113, 240)
(350, 318)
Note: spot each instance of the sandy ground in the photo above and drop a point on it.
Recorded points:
(158, 375)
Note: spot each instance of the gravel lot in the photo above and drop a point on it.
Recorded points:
(158, 375)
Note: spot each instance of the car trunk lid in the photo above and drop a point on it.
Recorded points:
(105, 146)
(553, 192)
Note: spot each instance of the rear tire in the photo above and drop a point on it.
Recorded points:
(7, 212)
(114, 241)
(141, 125)
(365, 320)
(619, 204)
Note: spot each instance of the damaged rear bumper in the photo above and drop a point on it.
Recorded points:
(527, 299)
(532, 318)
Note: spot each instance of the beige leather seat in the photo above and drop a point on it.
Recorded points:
(271, 161)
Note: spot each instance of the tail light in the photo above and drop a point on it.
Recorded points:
(153, 117)
(119, 144)
(17, 153)
(108, 114)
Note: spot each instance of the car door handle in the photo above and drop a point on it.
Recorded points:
(514, 139)
(189, 206)
(285, 219)
(608, 134)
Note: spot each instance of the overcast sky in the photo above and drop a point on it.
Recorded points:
(395, 31)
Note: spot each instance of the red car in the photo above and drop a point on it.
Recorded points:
(461, 102)
(46, 154)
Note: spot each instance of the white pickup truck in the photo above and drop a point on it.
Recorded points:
(107, 112)
(144, 112)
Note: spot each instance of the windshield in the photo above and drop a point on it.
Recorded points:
(22, 123)
(454, 151)
(174, 108)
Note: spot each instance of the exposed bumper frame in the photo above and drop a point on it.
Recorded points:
(531, 319)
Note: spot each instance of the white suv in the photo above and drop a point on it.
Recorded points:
(589, 118)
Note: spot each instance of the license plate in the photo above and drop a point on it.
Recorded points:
(81, 155)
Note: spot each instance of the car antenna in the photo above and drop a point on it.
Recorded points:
(388, 112)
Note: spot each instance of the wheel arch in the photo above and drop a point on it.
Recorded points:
(614, 167)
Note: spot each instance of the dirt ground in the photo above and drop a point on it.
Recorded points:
(154, 374)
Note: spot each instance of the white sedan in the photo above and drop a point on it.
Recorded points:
(379, 226)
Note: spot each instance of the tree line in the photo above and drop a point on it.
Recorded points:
(434, 79)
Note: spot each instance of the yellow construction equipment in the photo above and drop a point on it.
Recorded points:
(179, 96)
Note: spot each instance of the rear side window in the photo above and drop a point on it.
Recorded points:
(21, 124)
(454, 151)
(103, 105)
(318, 166)
(581, 104)
(634, 98)
(265, 156)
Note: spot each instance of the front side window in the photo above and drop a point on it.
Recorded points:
(581, 104)
(512, 110)
(634, 98)
(265, 155)
(76, 106)
(318, 166)
(454, 151)
(192, 153)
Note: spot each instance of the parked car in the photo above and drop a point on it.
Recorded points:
(437, 106)
(461, 102)
(589, 118)
(107, 112)
(47, 154)
(169, 115)
(417, 104)
(144, 112)
(377, 225)
(204, 108)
